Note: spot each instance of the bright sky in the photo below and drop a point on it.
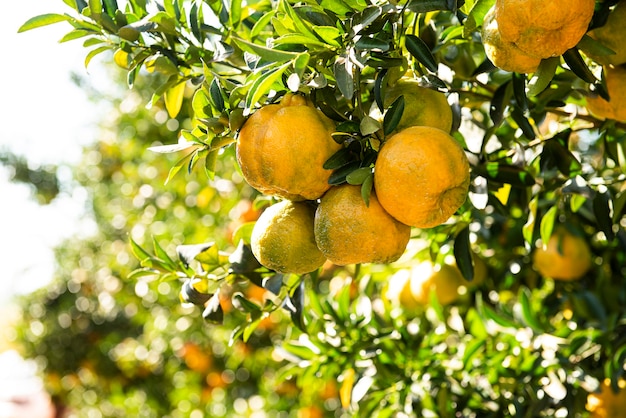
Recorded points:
(48, 119)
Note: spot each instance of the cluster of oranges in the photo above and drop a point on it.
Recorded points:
(421, 177)
(518, 34)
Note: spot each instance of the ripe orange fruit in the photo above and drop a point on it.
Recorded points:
(543, 29)
(422, 106)
(613, 35)
(565, 257)
(608, 404)
(282, 238)
(421, 176)
(505, 55)
(616, 86)
(347, 231)
(282, 149)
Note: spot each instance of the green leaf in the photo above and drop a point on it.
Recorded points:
(262, 24)
(527, 313)
(339, 175)
(75, 34)
(418, 49)
(602, 212)
(95, 52)
(300, 25)
(174, 98)
(472, 348)
(593, 47)
(162, 254)
(235, 13)
(499, 103)
(213, 311)
(339, 159)
(176, 167)
(505, 173)
(299, 39)
(267, 54)
(43, 20)
(242, 260)
(529, 227)
(463, 254)
(476, 16)
(217, 100)
(187, 253)
(547, 224)
(342, 70)
(243, 232)
(423, 6)
(329, 34)
(299, 350)
(393, 115)
(543, 76)
(369, 44)
(522, 122)
(366, 189)
(263, 83)
(358, 176)
(167, 149)
(619, 206)
(519, 91)
(576, 63)
(139, 252)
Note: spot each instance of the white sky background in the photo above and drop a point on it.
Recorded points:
(48, 119)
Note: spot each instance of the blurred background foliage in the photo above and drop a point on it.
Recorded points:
(113, 338)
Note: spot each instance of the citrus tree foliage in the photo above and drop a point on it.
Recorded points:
(517, 344)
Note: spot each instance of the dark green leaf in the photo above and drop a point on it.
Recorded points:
(339, 175)
(213, 311)
(519, 91)
(423, 6)
(189, 294)
(418, 49)
(372, 43)
(602, 212)
(242, 260)
(188, 253)
(244, 305)
(523, 123)
(505, 173)
(463, 254)
(273, 283)
(345, 79)
(593, 47)
(296, 302)
(362, 20)
(576, 63)
(393, 115)
(217, 100)
(339, 159)
(556, 153)
(543, 76)
(499, 103)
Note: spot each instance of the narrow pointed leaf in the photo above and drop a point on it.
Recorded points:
(43, 20)
(418, 49)
(393, 115)
(463, 254)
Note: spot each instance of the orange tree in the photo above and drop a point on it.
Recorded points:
(520, 343)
